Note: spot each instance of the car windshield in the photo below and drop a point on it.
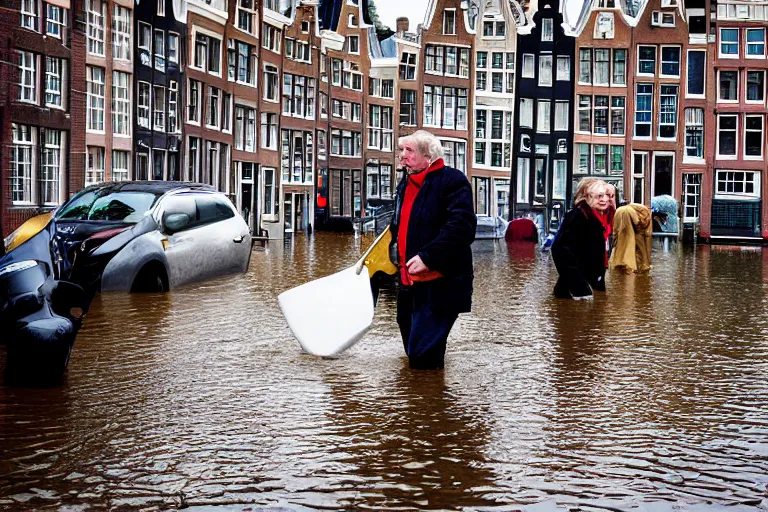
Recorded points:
(129, 207)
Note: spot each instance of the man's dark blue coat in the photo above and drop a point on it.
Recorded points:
(441, 229)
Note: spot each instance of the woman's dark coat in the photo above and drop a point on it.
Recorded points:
(441, 229)
(579, 254)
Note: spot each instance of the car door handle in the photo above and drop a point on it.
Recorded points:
(239, 240)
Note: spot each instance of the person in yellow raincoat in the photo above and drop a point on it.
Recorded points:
(632, 229)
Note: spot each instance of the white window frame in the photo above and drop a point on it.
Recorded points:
(719, 85)
(354, 49)
(655, 60)
(523, 180)
(140, 107)
(121, 40)
(736, 195)
(272, 215)
(120, 171)
(653, 168)
(158, 108)
(735, 154)
(562, 121)
(563, 72)
(95, 174)
(676, 112)
(543, 116)
(720, 43)
(529, 65)
(24, 183)
(121, 104)
(55, 75)
(679, 61)
(762, 137)
(746, 87)
(686, 157)
(747, 44)
(28, 66)
(547, 29)
(634, 121)
(94, 99)
(96, 28)
(452, 29)
(639, 175)
(544, 79)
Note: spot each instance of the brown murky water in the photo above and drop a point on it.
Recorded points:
(653, 397)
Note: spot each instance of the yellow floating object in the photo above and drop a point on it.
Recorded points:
(376, 258)
(27, 230)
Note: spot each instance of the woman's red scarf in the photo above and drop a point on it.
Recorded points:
(415, 181)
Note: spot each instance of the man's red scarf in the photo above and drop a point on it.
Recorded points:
(412, 187)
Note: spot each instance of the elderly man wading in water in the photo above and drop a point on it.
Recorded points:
(434, 226)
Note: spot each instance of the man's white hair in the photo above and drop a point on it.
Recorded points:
(426, 144)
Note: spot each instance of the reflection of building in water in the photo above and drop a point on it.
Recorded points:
(415, 447)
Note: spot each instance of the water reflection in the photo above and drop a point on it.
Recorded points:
(653, 395)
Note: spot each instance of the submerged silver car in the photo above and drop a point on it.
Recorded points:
(149, 236)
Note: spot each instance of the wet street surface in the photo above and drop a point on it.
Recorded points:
(652, 397)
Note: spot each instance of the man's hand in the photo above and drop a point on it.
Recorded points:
(416, 266)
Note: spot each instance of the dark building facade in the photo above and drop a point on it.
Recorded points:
(158, 90)
(542, 150)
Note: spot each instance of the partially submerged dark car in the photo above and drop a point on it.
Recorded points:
(132, 236)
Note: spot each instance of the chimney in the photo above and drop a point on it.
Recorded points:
(402, 24)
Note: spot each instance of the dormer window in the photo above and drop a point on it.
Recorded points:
(668, 3)
(352, 23)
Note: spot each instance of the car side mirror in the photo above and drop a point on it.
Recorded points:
(173, 222)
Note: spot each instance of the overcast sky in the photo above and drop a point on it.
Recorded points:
(390, 10)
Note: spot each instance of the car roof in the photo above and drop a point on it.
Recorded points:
(154, 187)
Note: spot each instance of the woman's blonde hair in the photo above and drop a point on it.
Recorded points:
(426, 143)
(582, 189)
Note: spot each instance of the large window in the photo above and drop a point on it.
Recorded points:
(523, 179)
(543, 116)
(447, 60)
(729, 86)
(378, 178)
(694, 133)
(212, 108)
(646, 60)
(158, 111)
(346, 143)
(380, 128)
(298, 96)
(562, 116)
(602, 66)
(545, 70)
(585, 66)
(245, 16)
(455, 154)
(95, 170)
(526, 112)
(493, 138)
(407, 107)
(121, 103)
(51, 167)
(756, 86)
(729, 42)
(449, 21)
(242, 63)
(408, 66)
(617, 115)
(271, 90)
(29, 15)
(619, 67)
(691, 197)
(600, 126)
(95, 114)
(755, 43)
(159, 45)
(547, 29)
(27, 77)
(670, 61)
(22, 163)
(193, 101)
(207, 54)
(563, 68)
(271, 37)
(121, 33)
(120, 165)
(726, 135)
(643, 110)
(95, 10)
(56, 19)
(585, 113)
(54, 70)
(753, 137)
(143, 104)
(173, 107)
(696, 72)
(668, 112)
(445, 107)
(738, 183)
(269, 130)
(297, 156)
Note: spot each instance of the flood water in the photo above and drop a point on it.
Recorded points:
(652, 397)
